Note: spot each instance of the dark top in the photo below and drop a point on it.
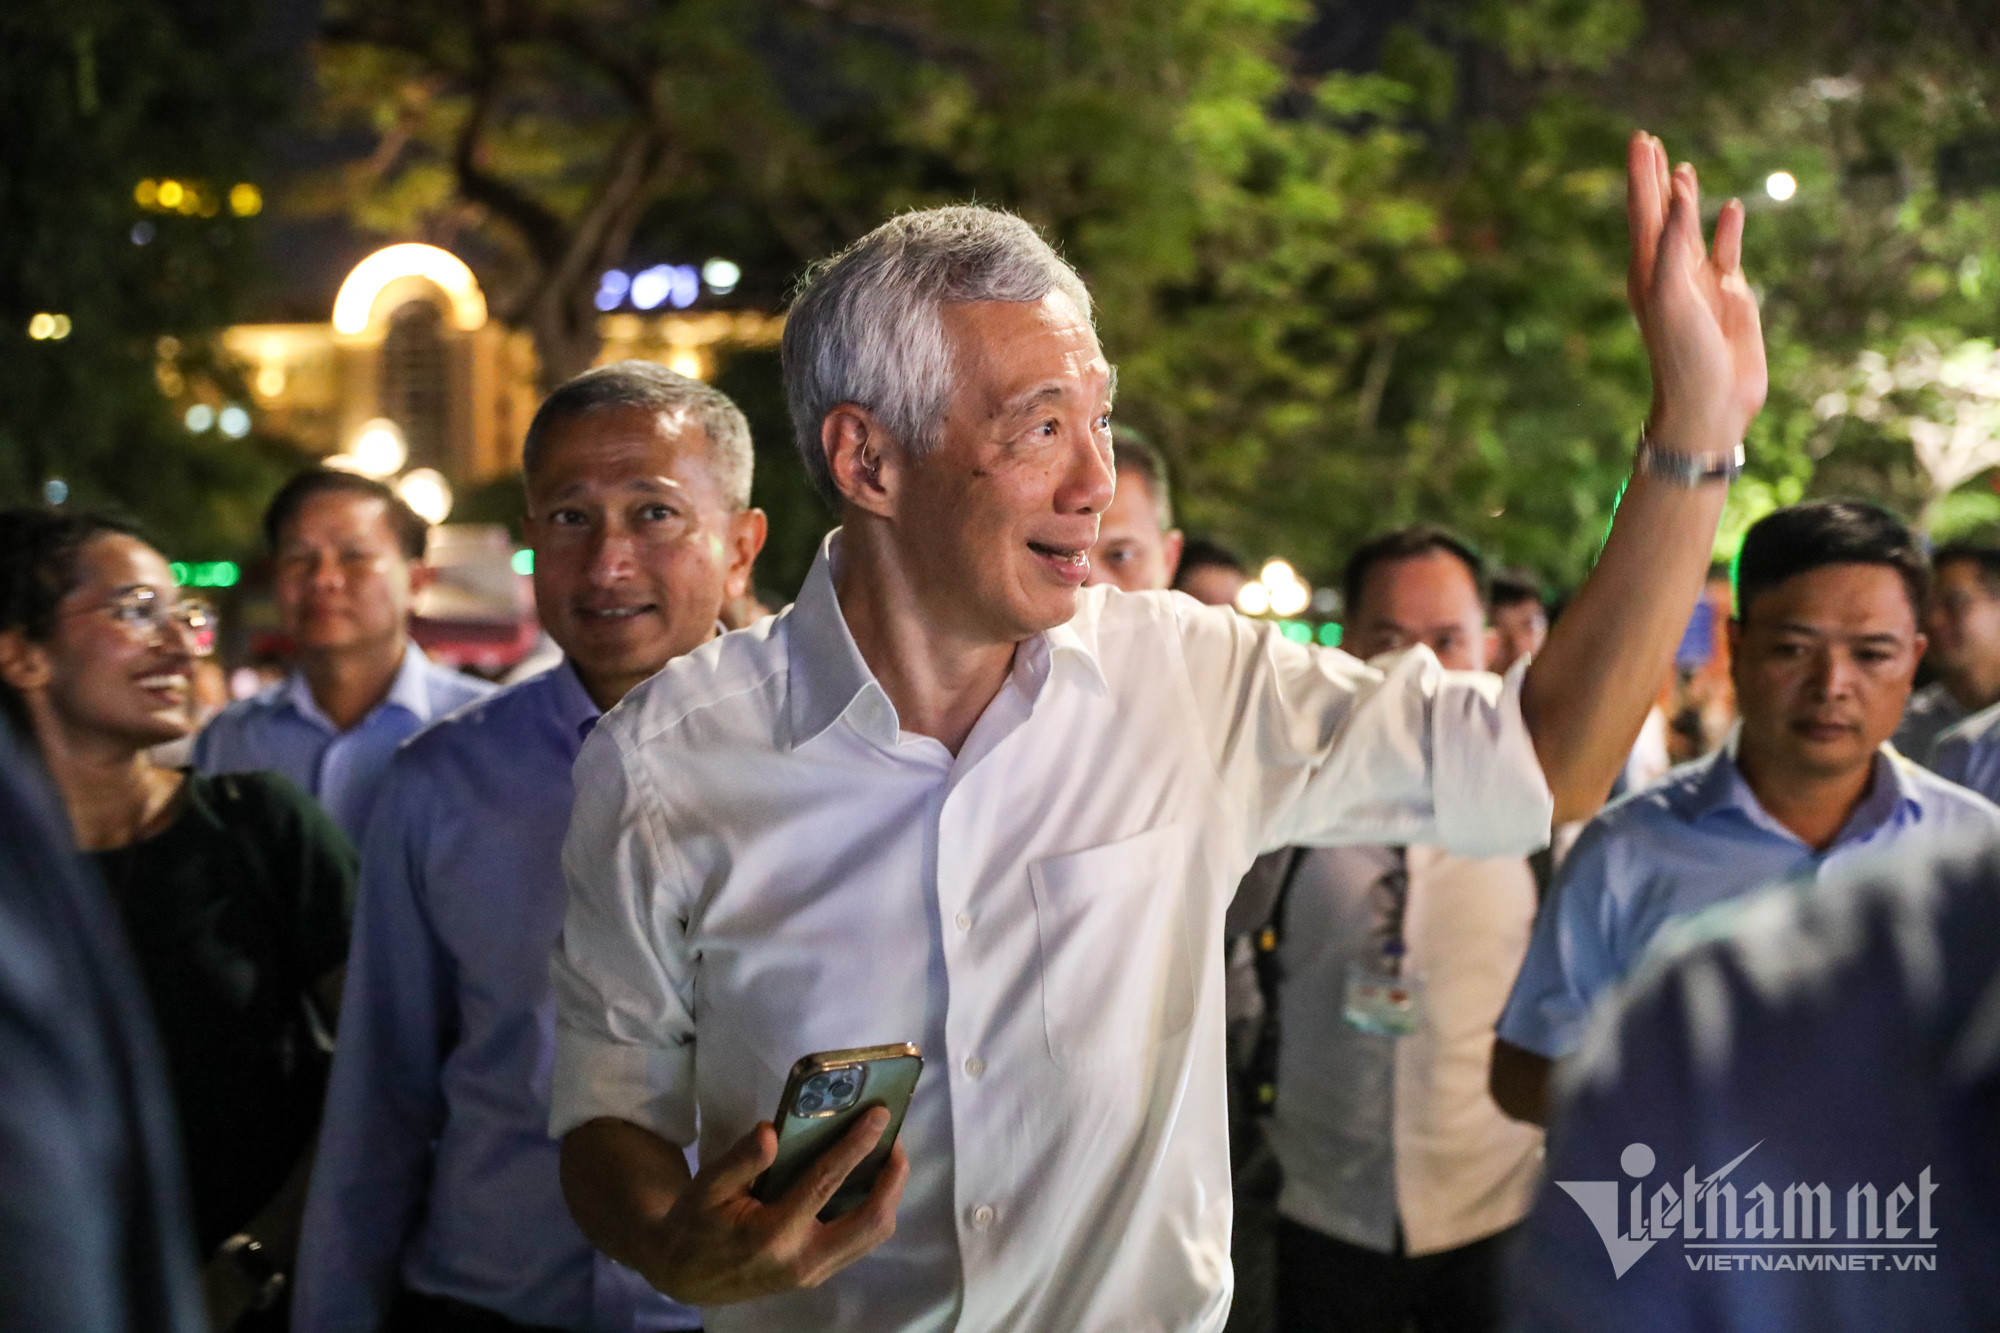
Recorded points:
(234, 911)
(94, 1231)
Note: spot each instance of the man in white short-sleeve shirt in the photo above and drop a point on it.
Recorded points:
(952, 797)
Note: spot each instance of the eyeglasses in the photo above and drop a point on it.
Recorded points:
(142, 611)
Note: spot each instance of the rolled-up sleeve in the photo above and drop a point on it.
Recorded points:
(621, 971)
(1325, 750)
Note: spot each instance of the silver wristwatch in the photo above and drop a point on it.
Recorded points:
(1689, 470)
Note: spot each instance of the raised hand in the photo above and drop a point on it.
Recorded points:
(1697, 312)
(718, 1245)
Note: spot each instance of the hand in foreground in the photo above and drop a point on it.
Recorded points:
(1697, 312)
(717, 1244)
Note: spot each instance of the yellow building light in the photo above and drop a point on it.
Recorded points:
(246, 200)
(146, 193)
(355, 305)
(42, 327)
(170, 194)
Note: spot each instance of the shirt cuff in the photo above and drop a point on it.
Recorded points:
(648, 1086)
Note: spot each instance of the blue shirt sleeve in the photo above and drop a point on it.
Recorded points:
(1570, 959)
(385, 1101)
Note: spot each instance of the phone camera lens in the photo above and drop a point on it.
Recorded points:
(809, 1102)
(842, 1089)
(818, 1082)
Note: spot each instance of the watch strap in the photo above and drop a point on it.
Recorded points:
(1689, 470)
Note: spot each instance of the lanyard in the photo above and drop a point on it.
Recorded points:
(1391, 898)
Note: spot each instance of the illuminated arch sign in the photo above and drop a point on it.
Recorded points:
(354, 308)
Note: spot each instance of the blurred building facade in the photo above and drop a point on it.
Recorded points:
(409, 341)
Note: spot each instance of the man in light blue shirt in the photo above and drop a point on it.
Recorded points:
(436, 1201)
(1823, 649)
(349, 559)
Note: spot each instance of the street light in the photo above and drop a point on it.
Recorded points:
(1781, 185)
(426, 491)
(379, 450)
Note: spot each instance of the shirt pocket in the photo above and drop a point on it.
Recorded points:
(1117, 969)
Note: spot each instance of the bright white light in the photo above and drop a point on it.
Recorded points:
(651, 286)
(611, 289)
(721, 276)
(1290, 599)
(685, 361)
(271, 380)
(1253, 599)
(343, 463)
(1277, 573)
(355, 305)
(199, 417)
(1781, 185)
(233, 421)
(426, 492)
(379, 451)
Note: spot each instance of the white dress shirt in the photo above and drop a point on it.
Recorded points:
(1373, 1129)
(763, 865)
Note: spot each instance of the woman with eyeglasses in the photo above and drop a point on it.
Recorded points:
(236, 891)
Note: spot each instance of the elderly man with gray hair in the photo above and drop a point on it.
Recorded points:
(436, 1203)
(952, 797)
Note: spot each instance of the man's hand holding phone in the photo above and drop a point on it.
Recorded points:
(718, 1244)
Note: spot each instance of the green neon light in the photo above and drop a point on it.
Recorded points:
(206, 573)
(1329, 634)
(1296, 630)
(524, 561)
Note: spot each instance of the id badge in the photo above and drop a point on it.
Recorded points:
(1385, 1005)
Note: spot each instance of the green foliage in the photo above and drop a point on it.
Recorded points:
(96, 96)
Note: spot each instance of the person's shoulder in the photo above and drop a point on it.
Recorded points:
(241, 716)
(1667, 802)
(451, 689)
(492, 716)
(1942, 799)
(1979, 732)
(734, 684)
(261, 800)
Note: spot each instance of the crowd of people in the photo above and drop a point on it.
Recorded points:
(410, 1004)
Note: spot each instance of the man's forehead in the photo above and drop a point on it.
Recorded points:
(624, 446)
(1025, 349)
(340, 513)
(1836, 602)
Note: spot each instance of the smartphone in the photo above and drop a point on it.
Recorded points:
(824, 1096)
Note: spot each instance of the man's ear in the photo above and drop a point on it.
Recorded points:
(422, 576)
(23, 665)
(1171, 542)
(747, 531)
(862, 457)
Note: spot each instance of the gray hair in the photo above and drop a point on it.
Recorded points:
(655, 388)
(865, 326)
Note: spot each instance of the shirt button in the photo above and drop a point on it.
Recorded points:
(974, 1067)
(982, 1216)
(963, 921)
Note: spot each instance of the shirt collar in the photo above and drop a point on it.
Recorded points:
(409, 691)
(575, 709)
(827, 678)
(1723, 787)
